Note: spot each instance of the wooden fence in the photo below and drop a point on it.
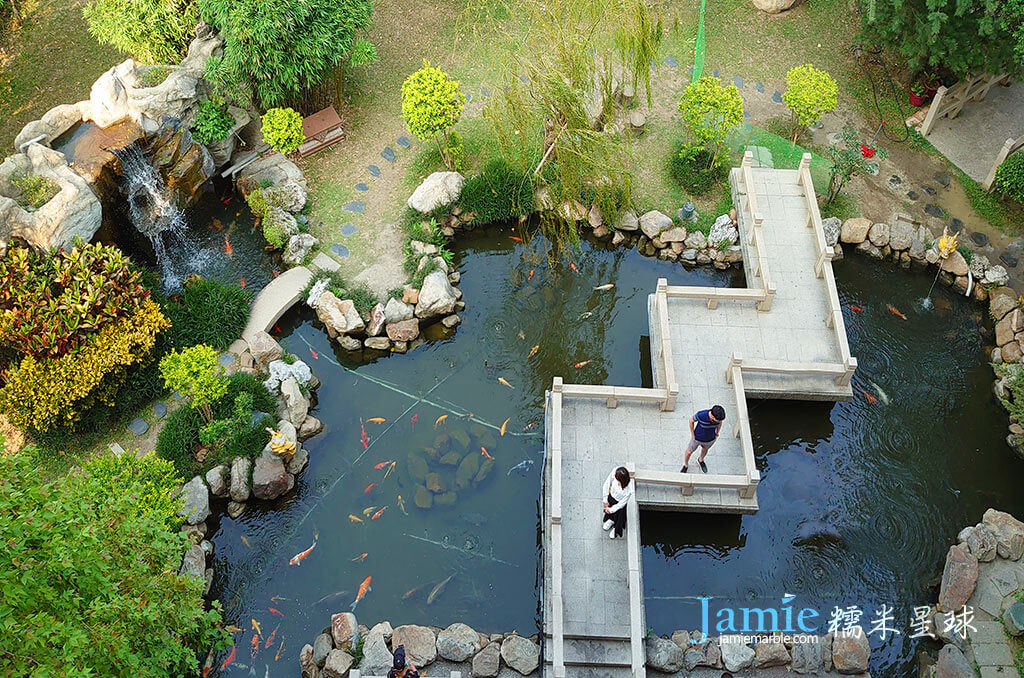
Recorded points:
(949, 101)
(1010, 147)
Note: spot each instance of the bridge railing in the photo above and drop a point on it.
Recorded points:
(555, 529)
(756, 235)
(637, 626)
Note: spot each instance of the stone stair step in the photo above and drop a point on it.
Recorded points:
(592, 652)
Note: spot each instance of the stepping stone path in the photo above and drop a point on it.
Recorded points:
(484, 92)
(912, 195)
(356, 206)
(159, 409)
(226, 359)
(373, 170)
(777, 97)
(980, 239)
(388, 154)
(715, 72)
(955, 225)
(404, 142)
(469, 97)
(760, 87)
(177, 396)
(138, 426)
(738, 81)
(339, 250)
(523, 78)
(942, 179)
(1009, 259)
(116, 449)
(362, 187)
(931, 209)
(671, 61)
(348, 229)
(930, 190)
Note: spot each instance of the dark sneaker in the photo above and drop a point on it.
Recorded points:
(703, 466)
(685, 469)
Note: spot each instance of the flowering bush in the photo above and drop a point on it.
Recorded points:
(52, 302)
(40, 393)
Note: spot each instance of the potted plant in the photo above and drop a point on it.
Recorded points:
(919, 94)
(931, 83)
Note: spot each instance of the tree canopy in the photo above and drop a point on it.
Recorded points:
(969, 37)
(281, 47)
(151, 31)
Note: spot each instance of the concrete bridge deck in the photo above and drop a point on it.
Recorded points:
(782, 337)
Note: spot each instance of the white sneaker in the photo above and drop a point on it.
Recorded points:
(608, 525)
(611, 535)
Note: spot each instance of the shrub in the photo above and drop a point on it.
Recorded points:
(848, 161)
(274, 234)
(40, 394)
(210, 312)
(431, 105)
(195, 373)
(91, 581)
(696, 168)
(219, 431)
(282, 129)
(213, 121)
(497, 193)
(810, 93)
(242, 382)
(710, 111)
(36, 190)
(152, 479)
(1010, 177)
(178, 439)
(152, 31)
(155, 75)
(51, 302)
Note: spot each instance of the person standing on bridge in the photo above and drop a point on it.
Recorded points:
(618, 488)
(704, 428)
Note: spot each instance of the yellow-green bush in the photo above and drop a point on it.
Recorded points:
(41, 393)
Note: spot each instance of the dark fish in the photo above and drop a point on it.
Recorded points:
(332, 597)
(437, 589)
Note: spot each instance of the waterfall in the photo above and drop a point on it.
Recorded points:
(156, 215)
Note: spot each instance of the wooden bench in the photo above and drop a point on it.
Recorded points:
(322, 129)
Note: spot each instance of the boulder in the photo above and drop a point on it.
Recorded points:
(696, 241)
(654, 222)
(1013, 619)
(236, 508)
(955, 264)
(774, 6)
(682, 639)
(457, 643)
(306, 658)
(808, 656)
(768, 653)
(959, 578)
(396, 311)
(832, 227)
(377, 320)
(344, 630)
(627, 221)
(377, 658)
(310, 427)
(854, 231)
(278, 219)
(353, 320)
(194, 562)
(404, 330)
(294, 400)
(289, 195)
(322, 646)
(270, 479)
(440, 189)
(195, 501)
(901, 235)
(663, 655)
(272, 169)
(264, 348)
(378, 343)
(995, 275)
(419, 642)
(338, 664)
(1001, 302)
(736, 654)
(520, 654)
(437, 297)
(279, 371)
(878, 234)
(217, 478)
(982, 543)
(850, 651)
(299, 246)
(946, 628)
(721, 231)
(384, 629)
(1009, 533)
(294, 463)
(676, 234)
(487, 661)
(1008, 327)
(330, 312)
(953, 664)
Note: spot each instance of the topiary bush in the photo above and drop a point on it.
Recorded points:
(710, 111)
(810, 93)
(497, 193)
(431, 105)
(195, 373)
(282, 129)
(1010, 177)
(213, 122)
(210, 312)
(696, 168)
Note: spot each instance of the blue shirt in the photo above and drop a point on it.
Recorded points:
(704, 430)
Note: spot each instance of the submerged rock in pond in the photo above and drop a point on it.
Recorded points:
(446, 499)
(423, 498)
(435, 483)
(461, 437)
(467, 470)
(485, 468)
(417, 467)
(451, 458)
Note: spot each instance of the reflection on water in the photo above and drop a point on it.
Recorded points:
(859, 502)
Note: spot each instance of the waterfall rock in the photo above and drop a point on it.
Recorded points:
(119, 93)
(221, 150)
(271, 170)
(54, 122)
(74, 212)
(299, 246)
(437, 190)
(437, 297)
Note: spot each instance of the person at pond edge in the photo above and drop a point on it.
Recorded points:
(618, 488)
(704, 428)
(400, 668)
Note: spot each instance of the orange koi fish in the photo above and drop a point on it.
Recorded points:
(255, 644)
(277, 655)
(858, 309)
(299, 557)
(256, 626)
(362, 435)
(270, 640)
(484, 452)
(503, 425)
(502, 380)
(515, 238)
(896, 312)
(363, 590)
(232, 629)
(581, 364)
(376, 420)
(530, 277)
(313, 353)
(275, 611)
(381, 465)
(573, 267)
(226, 200)
(241, 282)
(870, 398)
(533, 351)
(369, 488)
(275, 272)
(354, 519)
(277, 328)
(390, 469)
(401, 505)
(228, 249)
(440, 419)
(379, 513)
(415, 418)
(245, 541)
(360, 558)
(230, 658)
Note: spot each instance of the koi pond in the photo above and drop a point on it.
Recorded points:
(859, 501)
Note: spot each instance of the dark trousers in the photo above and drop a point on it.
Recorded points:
(618, 517)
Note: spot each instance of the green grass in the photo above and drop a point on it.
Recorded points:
(785, 154)
(845, 206)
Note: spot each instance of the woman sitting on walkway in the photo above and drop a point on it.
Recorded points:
(618, 488)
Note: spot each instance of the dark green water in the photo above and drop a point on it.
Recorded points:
(882, 477)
